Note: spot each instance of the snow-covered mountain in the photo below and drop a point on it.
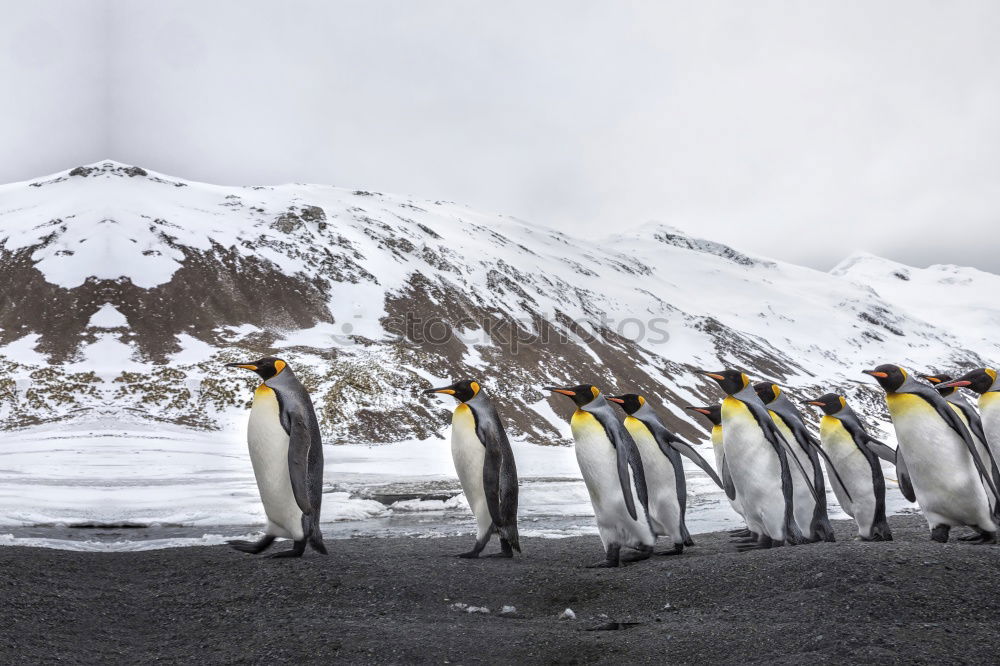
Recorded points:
(123, 291)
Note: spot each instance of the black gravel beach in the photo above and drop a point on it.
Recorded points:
(407, 601)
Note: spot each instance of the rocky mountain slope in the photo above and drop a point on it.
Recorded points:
(123, 291)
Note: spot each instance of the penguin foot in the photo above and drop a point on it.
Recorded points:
(763, 543)
(471, 555)
(940, 533)
(612, 559)
(505, 556)
(639, 555)
(749, 539)
(740, 533)
(985, 538)
(676, 550)
(298, 547)
(252, 547)
(972, 537)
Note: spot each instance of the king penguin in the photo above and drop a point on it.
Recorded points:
(286, 451)
(714, 415)
(859, 484)
(936, 459)
(613, 473)
(757, 460)
(972, 421)
(810, 514)
(485, 465)
(660, 451)
(986, 383)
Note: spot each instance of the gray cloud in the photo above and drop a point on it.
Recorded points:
(798, 130)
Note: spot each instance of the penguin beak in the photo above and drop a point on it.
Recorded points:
(444, 389)
(932, 379)
(714, 375)
(876, 374)
(556, 389)
(245, 366)
(614, 398)
(700, 410)
(814, 402)
(957, 383)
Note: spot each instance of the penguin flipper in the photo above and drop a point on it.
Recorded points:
(299, 443)
(882, 450)
(831, 468)
(623, 476)
(727, 480)
(499, 475)
(689, 452)
(903, 476)
(778, 442)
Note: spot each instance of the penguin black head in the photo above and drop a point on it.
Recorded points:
(889, 376)
(713, 413)
(831, 403)
(266, 367)
(939, 380)
(463, 390)
(767, 391)
(979, 380)
(731, 381)
(581, 394)
(630, 402)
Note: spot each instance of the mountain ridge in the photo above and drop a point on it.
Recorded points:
(135, 286)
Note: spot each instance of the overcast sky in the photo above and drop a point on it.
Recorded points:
(799, 130)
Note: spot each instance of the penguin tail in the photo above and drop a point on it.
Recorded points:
(881, 532)
(316, 539)
(509, 532)
(823, 530)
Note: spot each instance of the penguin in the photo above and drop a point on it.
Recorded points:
(286, 451)
(985, 382)
(613, 473)
(936, 459)
(860, 484)
(660, 451)
(485, 465)
(756, 456)
(714, 415)
(810, 514)
(972, 421)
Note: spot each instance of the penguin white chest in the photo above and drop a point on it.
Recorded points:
(268, 443)
(989, 410)
(854, 470)
(469, 456)
(661, 481)
(755, 468)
